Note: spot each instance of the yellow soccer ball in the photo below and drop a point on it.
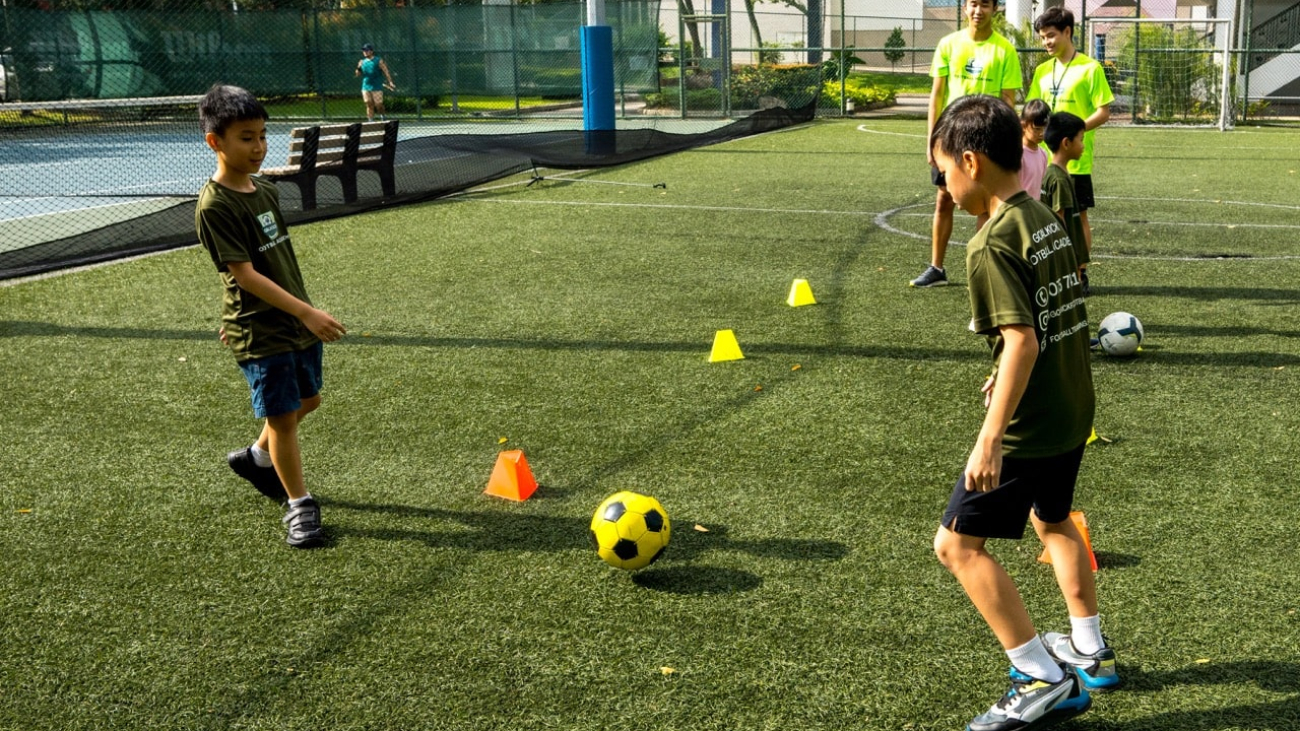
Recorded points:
(630, 530)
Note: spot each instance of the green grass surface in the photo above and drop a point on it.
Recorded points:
(145, 587)
(899, 82)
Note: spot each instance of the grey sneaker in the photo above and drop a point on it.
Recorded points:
(263, 478)
(303, 523)
(1097, 671)
(1034, 704)
(933, 276)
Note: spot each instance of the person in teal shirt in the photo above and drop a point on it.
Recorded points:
(1072, 82)
(374, 79)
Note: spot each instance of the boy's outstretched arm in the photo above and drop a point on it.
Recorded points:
(1019, 352)
(320, 322)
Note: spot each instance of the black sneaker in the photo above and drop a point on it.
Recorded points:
(263, 478)
(303, 523)
(933, 276)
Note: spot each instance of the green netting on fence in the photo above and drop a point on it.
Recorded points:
(431, 51)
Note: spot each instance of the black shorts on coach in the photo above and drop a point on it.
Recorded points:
(1045, 484)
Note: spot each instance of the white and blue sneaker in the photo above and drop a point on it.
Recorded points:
(1097, 671)
(1034, 704)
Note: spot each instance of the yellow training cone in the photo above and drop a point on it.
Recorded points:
(725, 347)
(800, 294)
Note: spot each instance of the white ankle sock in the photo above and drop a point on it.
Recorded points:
(261, 457)
(1085, 633)
(1033, 660)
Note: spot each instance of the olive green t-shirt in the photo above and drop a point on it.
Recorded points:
(1058, 195)
(237, 227)
(1022, 271)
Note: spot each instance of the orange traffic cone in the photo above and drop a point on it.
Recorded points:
(511, 478)
(1081, 523)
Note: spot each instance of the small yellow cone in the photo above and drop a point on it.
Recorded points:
(725, 347)
(800, 294)
(1094, 436)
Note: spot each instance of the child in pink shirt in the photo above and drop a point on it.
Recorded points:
(1033, 158)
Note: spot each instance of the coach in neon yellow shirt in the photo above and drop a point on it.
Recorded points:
(974, 60)
(1072, 82)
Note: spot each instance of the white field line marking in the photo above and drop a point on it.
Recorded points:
(675, 206)
(1129, 222)
(881, 220)
(865, 128)
(1221, 202)
(108, 192)
(89, 208)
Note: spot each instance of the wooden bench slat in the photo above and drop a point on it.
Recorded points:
(326, 149)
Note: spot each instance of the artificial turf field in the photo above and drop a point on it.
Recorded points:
(144, 586)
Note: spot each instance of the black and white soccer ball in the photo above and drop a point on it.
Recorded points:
(1120, 334)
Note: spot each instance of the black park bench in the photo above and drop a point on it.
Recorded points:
(339, 150)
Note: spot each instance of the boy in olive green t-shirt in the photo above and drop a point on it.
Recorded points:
(267, 320)
(1026, 298)
(1064, 137)
(1072, 82)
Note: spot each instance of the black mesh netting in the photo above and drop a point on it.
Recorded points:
(427, 168)
(101, 156)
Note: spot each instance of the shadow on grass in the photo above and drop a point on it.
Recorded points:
(12, 328)
(504, 530)
(1207, 294)
(1226, 331)
(1272, 676)
(1112, 560)
(696, 580)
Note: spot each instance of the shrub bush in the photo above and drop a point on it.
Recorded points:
(863, 95)
(793, 84)
(406, 104)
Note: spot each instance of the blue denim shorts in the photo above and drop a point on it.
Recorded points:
(279, 383)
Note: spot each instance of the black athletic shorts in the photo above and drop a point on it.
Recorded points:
(936, 177)
(1083, 197)
(1045, 484)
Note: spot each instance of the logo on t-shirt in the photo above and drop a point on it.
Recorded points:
(269, 227)
(974, 68)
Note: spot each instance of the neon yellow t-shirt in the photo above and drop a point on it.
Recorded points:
(1078, 87)
(975, 67)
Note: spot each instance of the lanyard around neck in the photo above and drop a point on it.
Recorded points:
(1056, 83)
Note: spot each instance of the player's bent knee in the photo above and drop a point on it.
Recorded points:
(950, 549)
(309, 405)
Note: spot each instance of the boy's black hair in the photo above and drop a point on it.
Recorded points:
(224, 105)
(1036, 112)
(1061, 127)
(983, 124)
(1058, 18)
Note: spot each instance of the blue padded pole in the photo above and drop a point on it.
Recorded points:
(597, 47)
